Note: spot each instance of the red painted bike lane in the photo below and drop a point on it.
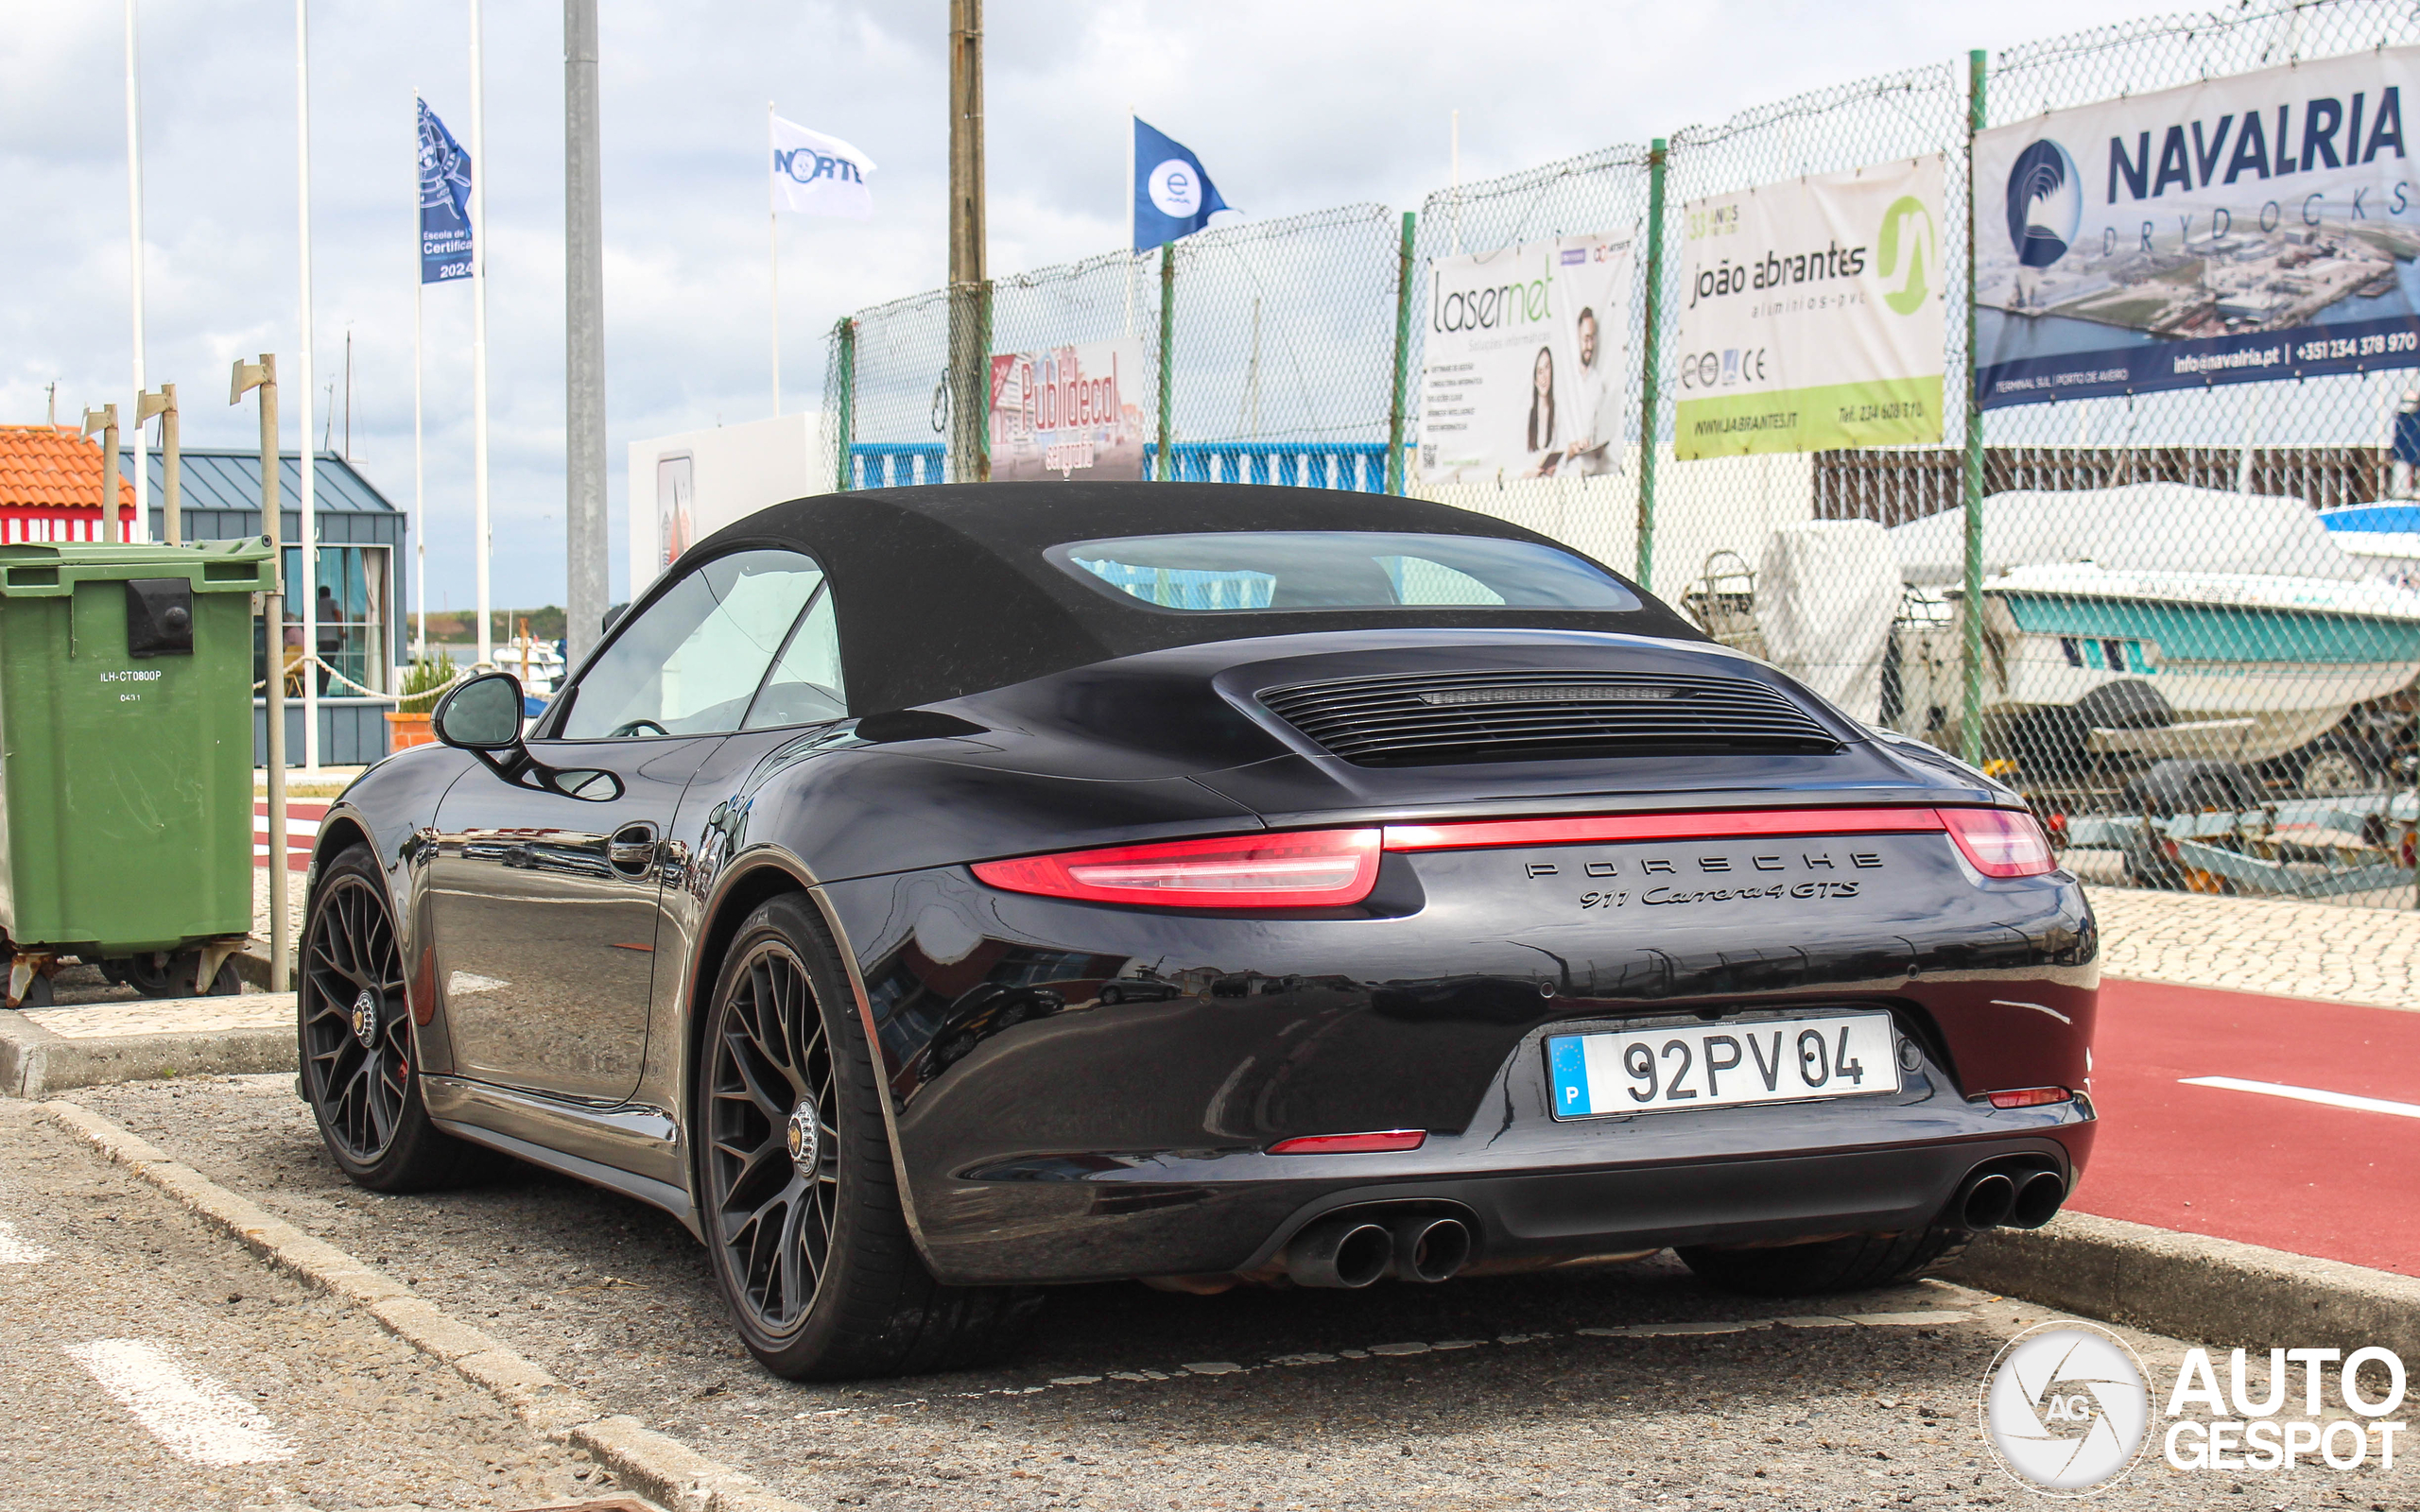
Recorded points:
(2335, 1182)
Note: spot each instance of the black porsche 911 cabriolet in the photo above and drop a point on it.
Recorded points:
(928, 893)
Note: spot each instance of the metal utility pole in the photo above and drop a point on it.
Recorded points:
(162, 403)
(584, 344)
(969, 287)
(480, 331)
(105, 421)
(262, 376)
(309, 533)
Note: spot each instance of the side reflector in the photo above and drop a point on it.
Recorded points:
(1393, 1139)
(2001, 842)
(1309, 868)
(1473, 835)
(2031, 1097)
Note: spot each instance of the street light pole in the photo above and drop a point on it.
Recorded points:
(262, 376)
(304, 493)
(480, 166)
(134, 261)
(585, 365)
(105, 421)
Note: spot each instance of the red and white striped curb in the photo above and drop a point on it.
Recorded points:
(301, 832)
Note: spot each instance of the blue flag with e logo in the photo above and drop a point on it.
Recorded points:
(444, 202)
(1173, 198)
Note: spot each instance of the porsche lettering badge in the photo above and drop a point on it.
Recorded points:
(1726, 878)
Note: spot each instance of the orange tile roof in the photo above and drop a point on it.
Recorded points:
(46, 467)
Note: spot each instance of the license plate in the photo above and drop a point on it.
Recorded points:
(1719, 1065)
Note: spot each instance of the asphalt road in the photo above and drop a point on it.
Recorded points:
(2249, 1160)
(1475, 1394)
(152, 1363)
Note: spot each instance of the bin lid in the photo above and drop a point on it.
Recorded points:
(52, 569)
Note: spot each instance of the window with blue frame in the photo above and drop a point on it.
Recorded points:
(352, 596)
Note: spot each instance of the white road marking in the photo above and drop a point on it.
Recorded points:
(197, 1418)
(461, 984)
(2305, 1094)
(16, 1251)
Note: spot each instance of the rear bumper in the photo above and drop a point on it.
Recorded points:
(1083, 1092)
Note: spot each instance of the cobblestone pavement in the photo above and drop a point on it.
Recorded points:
(2279, 946)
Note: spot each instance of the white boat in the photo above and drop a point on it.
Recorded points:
(536, 662)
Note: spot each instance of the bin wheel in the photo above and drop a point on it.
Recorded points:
(38, 993)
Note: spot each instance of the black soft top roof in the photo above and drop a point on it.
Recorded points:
(944, 590)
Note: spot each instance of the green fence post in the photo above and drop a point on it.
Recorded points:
(1396, 470)
(1166, 468)
(1650, 349)
(844, 409)
(1970, 724)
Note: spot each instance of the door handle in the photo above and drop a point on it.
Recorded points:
(632, 848)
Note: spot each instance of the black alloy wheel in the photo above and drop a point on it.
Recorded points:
(797, 1195)
(772, 1148)
(354, 1024)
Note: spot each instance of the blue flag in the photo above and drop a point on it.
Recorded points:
(444, 202)
(1173, 198)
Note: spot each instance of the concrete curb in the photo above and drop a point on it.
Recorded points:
(34, 1062)
(649, 1463)
(2188, 1286)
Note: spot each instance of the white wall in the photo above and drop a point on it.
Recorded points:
(735, 471)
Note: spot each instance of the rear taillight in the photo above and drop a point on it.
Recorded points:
(1309, 868)
(2000, 842)
(2029, 1097)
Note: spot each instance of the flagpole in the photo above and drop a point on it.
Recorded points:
(773, 249)
(420, 475)
(135, 266)
(308, 534)
(479, 332)
(1130, 221)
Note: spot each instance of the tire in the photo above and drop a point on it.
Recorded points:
(162, 975)
(798, 1198)
(354, 1033)
(1858, 1262)
(2335, 768)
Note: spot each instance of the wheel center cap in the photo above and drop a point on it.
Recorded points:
(365, 1020)
(806, 1139)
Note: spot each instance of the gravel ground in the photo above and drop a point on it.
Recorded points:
(89, 1254)
(1476, 1394)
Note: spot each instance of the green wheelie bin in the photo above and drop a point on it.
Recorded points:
(126, 762)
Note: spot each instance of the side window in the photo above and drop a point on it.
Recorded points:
(690, 664)
(804, 687)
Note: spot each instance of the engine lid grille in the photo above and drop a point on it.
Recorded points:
(1435, 718)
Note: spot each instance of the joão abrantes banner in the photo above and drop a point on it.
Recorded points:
(1811, 315)
(1527, 362)
(1068, 410)
(2244, 229)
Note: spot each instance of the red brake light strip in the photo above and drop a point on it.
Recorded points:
(1471, 834)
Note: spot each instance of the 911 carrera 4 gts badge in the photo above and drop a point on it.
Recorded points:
(1723, 874)
(365, 1018)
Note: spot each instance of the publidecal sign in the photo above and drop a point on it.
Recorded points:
(1068, 411)
(1810, 315)
(2252, 228)
(1526, 372)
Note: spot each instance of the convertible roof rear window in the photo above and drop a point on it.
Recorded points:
(1259, 571)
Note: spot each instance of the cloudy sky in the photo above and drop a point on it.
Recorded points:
(1293, 106)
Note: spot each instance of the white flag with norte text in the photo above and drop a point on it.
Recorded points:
(818, 175)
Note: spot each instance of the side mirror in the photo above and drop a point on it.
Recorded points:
(613, 617)
(483, 714)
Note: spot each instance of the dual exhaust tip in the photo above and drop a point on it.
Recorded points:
(2009, 1199)
(1353, 1251)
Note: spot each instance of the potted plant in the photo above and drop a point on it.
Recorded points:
(425, 682)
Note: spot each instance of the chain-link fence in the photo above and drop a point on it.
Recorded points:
(2177, 618)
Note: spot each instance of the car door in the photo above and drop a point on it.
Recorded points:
(544, 897)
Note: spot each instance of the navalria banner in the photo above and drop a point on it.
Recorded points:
(1070, 409)
(2246, 229)
(1810, 315)
(1528, 355)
